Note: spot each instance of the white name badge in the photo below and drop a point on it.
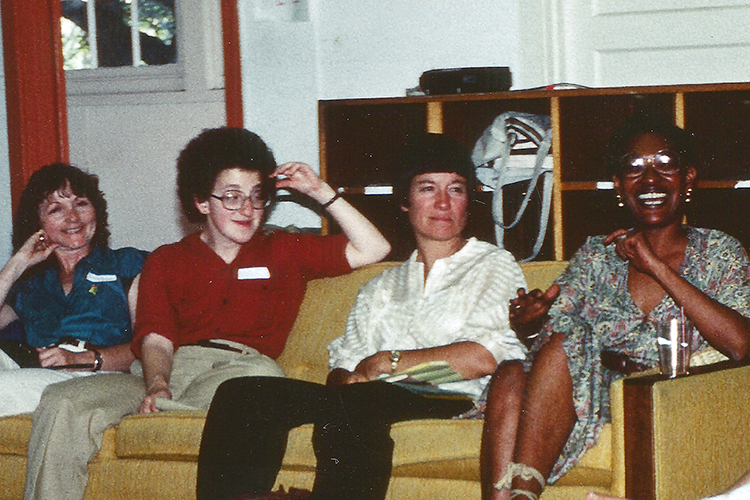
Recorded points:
(100, 278)
(253, 273)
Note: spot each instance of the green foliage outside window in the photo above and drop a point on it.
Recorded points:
(156, 27)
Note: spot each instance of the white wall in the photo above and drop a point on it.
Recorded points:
(5, 207)
(356, 48)
(132, 139)
(132, 146)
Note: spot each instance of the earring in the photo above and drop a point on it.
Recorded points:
(619, 201)
(688, 194)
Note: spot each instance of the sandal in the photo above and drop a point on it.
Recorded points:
(525, 472)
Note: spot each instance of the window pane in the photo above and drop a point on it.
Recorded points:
(111, 23)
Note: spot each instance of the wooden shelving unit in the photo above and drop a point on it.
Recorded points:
(360, 137)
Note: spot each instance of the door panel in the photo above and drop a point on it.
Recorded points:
(604, 43)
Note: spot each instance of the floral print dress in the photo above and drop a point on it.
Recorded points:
(595, 312)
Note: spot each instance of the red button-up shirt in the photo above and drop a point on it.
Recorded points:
(188, 293)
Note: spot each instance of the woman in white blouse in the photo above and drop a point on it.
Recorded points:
(448, 302)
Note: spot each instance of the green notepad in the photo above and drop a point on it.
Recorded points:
(425, 378)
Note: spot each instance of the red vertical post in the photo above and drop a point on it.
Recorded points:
(230, 21)
(35, 88)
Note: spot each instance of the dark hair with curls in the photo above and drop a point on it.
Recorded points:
(430, 153)
(48, 180)
(680, 140)
(216, 150)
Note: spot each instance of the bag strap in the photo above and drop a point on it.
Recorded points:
(529, 127)
(541, 155)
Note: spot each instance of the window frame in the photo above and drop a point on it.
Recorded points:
(199, 60)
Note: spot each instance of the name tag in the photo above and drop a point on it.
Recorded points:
(100, 278)
(253, 273)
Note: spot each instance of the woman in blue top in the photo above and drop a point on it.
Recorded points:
(73, 295)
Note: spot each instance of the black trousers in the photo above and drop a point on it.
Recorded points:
(249, 420)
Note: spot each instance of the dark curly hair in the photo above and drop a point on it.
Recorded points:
(52, 178)
(429, 153)
(680, 140)
(213, 151)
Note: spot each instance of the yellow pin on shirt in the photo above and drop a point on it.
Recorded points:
(93, 289)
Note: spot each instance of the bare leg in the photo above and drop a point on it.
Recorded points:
(504, 401)
(548, 413)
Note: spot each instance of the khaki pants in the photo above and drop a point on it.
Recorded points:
(72, 416)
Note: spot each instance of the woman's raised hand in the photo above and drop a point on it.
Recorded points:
(635, 248)
(366, 244)
(300, 177)
(528, 312)
(36, 249)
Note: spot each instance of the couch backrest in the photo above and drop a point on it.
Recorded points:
(325, 310)
(541, 274)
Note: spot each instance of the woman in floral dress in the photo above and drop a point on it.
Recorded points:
(601, 326)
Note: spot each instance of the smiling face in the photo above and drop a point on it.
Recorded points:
(68, 220)
(229, 229)
(438, 206)
(655, 197)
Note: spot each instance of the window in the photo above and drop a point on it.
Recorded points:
(116, 33)
(188, 54)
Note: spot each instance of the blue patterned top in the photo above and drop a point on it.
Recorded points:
(95, 310)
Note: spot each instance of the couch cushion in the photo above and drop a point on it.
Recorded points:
(322, 318)
(176, 435)
(541, 274)
(419, 452)
(417, 441)
(169, 435)
(15, 431)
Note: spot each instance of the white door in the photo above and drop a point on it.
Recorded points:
(603, 43)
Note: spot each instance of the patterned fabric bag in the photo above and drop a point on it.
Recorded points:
(515, 148)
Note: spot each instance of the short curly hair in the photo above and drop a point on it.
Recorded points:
(431, 153)
(52, 178)
(213, 151)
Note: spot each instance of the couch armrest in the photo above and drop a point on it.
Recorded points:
(687, 437)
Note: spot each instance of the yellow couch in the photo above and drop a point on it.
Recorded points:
(154, 456)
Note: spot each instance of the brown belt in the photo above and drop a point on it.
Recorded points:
(216, 345)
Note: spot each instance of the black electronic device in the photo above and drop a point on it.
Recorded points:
(465, 80)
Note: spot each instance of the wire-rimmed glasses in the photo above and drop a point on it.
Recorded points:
(234, 200)
(664, 162)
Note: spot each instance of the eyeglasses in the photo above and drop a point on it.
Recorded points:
(665, 163)
(234, 200)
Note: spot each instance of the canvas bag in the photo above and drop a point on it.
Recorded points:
(510, 133)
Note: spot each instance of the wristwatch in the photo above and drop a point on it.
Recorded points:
(395, 356)
(98, 360)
